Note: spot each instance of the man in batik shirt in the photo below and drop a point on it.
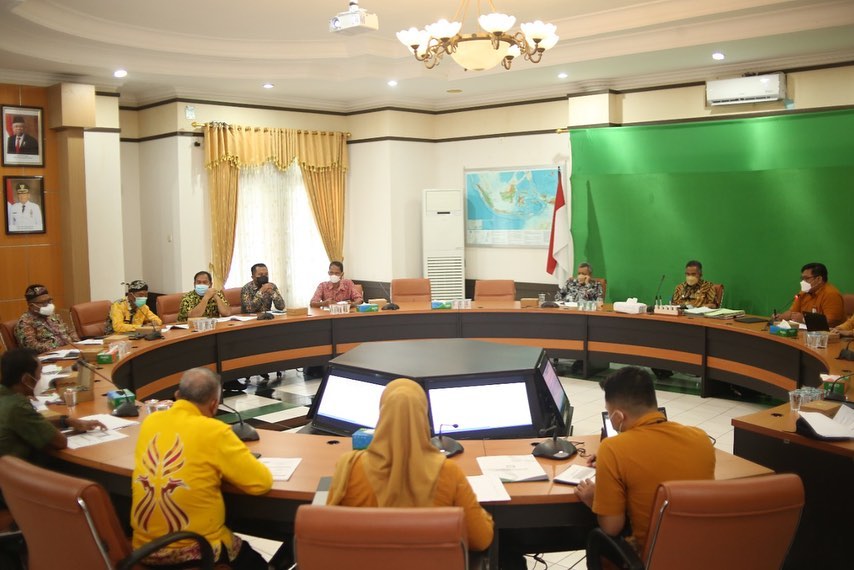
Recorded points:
(39, 328)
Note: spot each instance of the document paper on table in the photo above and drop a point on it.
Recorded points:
(281, 467)
(93, 438)
(488, 488)
(512, 468)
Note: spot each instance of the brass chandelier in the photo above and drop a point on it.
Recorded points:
(483, 49)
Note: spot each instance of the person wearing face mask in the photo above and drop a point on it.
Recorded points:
(582, 287)
(203, 300)
(260, 295)
(39, 328)
(648, 450)
(130, 313)
(817, 296)
(336, 289)
(24, 432)
(694, 291)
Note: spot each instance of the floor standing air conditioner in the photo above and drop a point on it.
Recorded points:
(443, 242)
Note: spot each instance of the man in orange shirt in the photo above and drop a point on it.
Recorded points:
(648, 451)
(816, 296)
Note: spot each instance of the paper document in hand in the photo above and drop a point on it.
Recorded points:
(826, 427)
(488, 488)
(575, 474)
(512, 468)
(281, 467)
(93, 438)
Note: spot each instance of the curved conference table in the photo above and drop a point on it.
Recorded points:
(719, 352)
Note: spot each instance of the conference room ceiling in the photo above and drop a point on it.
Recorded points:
(221, 50)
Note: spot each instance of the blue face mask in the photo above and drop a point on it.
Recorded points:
(201, 289)
(140, 301)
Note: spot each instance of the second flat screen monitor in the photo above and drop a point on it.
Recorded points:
(496, 408)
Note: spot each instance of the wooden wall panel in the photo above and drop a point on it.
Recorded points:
(35, 258)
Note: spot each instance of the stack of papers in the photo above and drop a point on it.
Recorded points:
(840, 427)
(575, 474)
(93, 438)
(512, 468)
(110, 421)
(91, 341)
(488, 488)
(55, 355)
(724, 313)
(281, 467)
(698, 310)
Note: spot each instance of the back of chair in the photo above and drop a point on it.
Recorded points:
(848, 300)
(90, 319)
(168, 306)
(494, 290)
(410, 290)
(233, 297)
(63, 518)
(367, 538)
(7, 334)
(739, 523)
(719, 293)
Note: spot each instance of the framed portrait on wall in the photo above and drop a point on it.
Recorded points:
(24, 204)
(23, 143)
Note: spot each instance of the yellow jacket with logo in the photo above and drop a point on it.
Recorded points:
(181, 459)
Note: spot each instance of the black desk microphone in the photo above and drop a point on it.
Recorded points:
(553, 448)
(447, 445)
(243, 431)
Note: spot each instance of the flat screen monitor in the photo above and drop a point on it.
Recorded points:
(481, 408)
(348, 402)
(554, 386)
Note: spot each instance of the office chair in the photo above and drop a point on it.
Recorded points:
(7, 334)
(90, 318)
(232, 295)
(736, 524)
(168, 307)
(67, 519)
(368, 538)
(494, 290)
(410, 290)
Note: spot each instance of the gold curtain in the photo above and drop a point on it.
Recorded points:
(322, 157)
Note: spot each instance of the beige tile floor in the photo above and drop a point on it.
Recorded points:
(711, 414)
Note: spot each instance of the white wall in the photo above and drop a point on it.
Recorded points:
(131, 220)
(104, 222)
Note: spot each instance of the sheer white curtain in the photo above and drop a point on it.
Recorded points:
(275, 226)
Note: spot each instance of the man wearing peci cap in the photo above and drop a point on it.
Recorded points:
(39, 328)
(130, 313)
(20, 142)
(25, 216)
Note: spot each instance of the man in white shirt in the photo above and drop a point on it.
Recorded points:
(25, 216)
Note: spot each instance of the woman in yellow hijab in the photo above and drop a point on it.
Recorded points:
(401, 468)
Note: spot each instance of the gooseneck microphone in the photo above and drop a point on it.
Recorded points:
(651, 308)
(553, 448)
(242, 430)
(447, 445)
(127, 409)
(831, 393)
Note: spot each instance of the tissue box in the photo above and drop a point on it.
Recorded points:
(368, 308)
(530, 302)
(630, 307)
(441, 304)
(116, 398)
(786, 333)
(296, 311)
(839, 388)
(83, 394)
(362, 438)
(379, 301)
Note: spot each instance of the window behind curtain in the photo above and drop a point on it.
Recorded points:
(275, 226)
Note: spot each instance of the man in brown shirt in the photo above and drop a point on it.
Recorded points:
(816, 296)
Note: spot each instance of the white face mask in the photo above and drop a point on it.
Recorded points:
(805, 286)
(47, 310)
(334, 278)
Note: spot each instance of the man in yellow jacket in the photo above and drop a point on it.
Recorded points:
(182, 456)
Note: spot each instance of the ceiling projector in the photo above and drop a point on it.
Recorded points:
(354, 21)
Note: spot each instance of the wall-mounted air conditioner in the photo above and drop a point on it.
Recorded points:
(755, 89)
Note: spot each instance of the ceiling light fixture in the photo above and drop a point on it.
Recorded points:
(392, 83)
(718, 56)
(479, 50)
(562, 75)
(119, 73)
(268, 86)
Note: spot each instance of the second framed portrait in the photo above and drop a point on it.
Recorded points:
(24, 204)
(22, 136)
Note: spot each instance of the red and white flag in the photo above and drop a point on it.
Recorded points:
(559, 262)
